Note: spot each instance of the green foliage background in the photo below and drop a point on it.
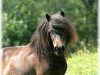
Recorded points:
(20, 18)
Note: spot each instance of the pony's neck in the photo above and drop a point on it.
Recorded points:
(43, 46)
(45, 51)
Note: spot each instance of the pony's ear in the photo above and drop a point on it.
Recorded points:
(48, 17)
(62, 13)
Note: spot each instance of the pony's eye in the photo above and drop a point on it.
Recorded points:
(55, 27)
(62, 37)
(58, 28)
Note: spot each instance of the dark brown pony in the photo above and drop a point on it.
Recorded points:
(44, 55)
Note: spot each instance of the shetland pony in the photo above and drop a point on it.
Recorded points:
(44, 55)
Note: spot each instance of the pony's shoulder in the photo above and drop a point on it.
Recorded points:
(15, 49)
(11, 50)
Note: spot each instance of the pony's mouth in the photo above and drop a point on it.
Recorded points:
(59, 50)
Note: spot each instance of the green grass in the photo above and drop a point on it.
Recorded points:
(82, 64)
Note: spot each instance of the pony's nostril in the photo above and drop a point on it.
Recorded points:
(62, 47)
(59, 48)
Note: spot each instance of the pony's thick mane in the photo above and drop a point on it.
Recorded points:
(41, 40)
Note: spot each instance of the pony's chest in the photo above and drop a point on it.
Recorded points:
(51, 69)
(41, 68)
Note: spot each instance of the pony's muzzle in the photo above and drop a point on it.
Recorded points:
(59, 50)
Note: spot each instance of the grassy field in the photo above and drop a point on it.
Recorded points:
(82, 64)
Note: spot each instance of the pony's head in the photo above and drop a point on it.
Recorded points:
(55, 30)
(61, 31)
